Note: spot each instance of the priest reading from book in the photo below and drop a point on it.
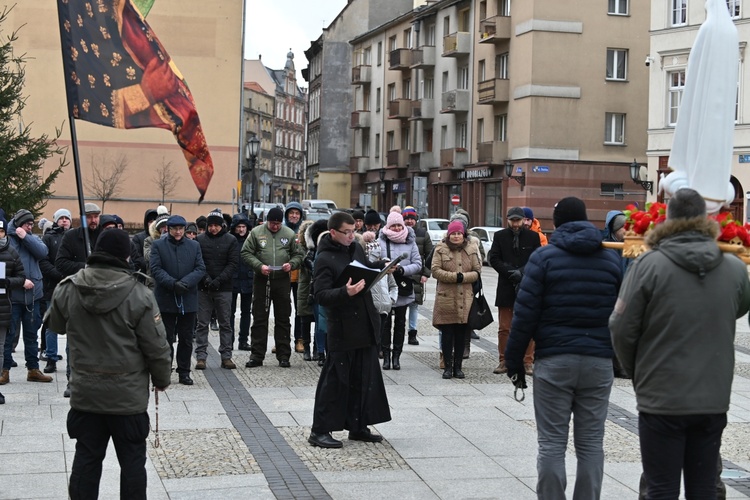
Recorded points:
(350, 394)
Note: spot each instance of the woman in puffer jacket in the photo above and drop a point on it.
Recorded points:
(397, 239)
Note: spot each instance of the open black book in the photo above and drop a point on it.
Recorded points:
(358, 271)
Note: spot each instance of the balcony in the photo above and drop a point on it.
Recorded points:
(494, 91)
(454, 158)
(398, 158)
(455, 101)
(484, 152)
(421, 162)
(358, 164)
(361, 74)
(457, 44)
(399, 59)
(400, 108)
(423, 109)
(423, 57)
(494, 29)
(360, 119)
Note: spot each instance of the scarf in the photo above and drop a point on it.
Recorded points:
(396, 236)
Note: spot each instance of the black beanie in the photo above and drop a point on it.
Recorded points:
(569, 209)
(115, 242)
(372, 217)
(275, 215)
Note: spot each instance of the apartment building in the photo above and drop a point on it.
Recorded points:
(674, 27)
(259, 112)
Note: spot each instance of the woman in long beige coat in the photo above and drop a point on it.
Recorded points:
(456, 264)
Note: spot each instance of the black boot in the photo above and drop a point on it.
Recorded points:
(51, 366)
(396, 360)
(321, 359)
(457, 372)
(448, 371)
(386, 359)
(413, 337)
(306, 354)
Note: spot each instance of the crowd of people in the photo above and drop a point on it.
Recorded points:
(567, 307)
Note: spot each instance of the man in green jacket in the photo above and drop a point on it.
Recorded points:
(117, 345)
(272, 251)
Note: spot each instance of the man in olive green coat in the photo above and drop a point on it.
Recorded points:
(117, 345)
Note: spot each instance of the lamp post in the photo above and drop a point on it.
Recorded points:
(252, 148)
(381, 174)
(521, 179)
(300, 185)
(635, 174)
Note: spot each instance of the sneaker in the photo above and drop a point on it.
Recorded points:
(500, 368)
(5, 378)
(528, 368)
(228, 364)
(299, 345)
(200, 364)
(36, 375)
(66, 393)
(51, 367)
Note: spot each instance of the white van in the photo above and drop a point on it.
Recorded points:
(329, 204)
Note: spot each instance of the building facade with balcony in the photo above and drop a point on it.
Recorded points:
(259, 112)
(674, 27)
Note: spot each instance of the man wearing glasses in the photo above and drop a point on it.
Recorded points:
(273, 252)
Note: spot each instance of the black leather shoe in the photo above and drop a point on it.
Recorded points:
(324, 440)
(51, 367)
(284, 363)
(458, 373)
(253, 363)
(244, 347)
(186, 380)
(366, 436)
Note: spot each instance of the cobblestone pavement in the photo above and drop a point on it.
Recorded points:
(243, 434)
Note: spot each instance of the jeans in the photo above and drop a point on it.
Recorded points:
(179, 327)
(92, 432)
(28, 317)
(565, 384)
(320, 328)
(220, 302)
(399, 329)
(246, 302)
(413, 315)
(671, 444)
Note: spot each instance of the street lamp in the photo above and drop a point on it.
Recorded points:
(252, 148)
(521, 179)
(635, 174)
(381, 174)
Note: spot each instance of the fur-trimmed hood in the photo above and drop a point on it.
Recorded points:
(301, 236)
(689, 243)
(310, 231)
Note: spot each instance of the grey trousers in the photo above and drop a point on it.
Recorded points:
(563, 385)
(222, 303)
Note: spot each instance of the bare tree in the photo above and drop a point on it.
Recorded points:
(106, 177)
(165, 179)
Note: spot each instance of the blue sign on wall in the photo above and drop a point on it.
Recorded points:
(744, 158)
(542, 169)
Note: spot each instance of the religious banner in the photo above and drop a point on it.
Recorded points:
(119, 75)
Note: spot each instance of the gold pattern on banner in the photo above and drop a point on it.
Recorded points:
(116, 58)
(85, 105)
(102, 7)
(74, 77)
(74, 54)
(95, 48)
(65, 2)
(104, 110)
(67, 25)
(79, 20)
(89, 10)
(75, 110)
(104, 32)
(92, 81)
(130, 73)
(149, 36)
(161, 55)
(105, 78)
(84, 46)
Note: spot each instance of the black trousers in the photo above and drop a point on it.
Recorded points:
(452, 342)
(399, 330)
(673, 444)
(282, 310)
(92, 432)
(180, 327)
(246, 301)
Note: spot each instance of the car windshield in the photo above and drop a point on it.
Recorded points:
(438, 225)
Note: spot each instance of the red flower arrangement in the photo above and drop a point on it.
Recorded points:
(731, 230)
(639, 221)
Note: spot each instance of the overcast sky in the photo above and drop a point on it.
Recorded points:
(274, 26)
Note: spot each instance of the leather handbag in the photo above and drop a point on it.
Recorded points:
(480, 314)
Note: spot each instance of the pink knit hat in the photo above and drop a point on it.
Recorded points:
(394, 218)
(456, 227)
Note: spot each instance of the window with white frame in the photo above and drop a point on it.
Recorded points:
(377, 100)
(676, 88)
(504, 8)
(428, 88)
(430, 36)
(617, 64)
(444, 137)
(406, 88)
(377, 145)
(390, 141)
(392, 44)
(501, 128)
(365, 143)
(734, 8)
(461, 135)
(501, 66)
(614, 128)
(367, 56)
(407, 39)
(463, 77)
(445, 81)
(380, 53)
(678, 12)
(480, 130)
(391, 92)
(481, 70)
(618, 7)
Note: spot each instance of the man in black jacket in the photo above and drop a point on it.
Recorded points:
(350, 393)
(72, 254)
(221, 255)
(242, 283)
(510, 251)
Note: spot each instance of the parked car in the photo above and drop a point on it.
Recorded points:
(486, 235)
(327, 204)
(317, 214)
(436, 228)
